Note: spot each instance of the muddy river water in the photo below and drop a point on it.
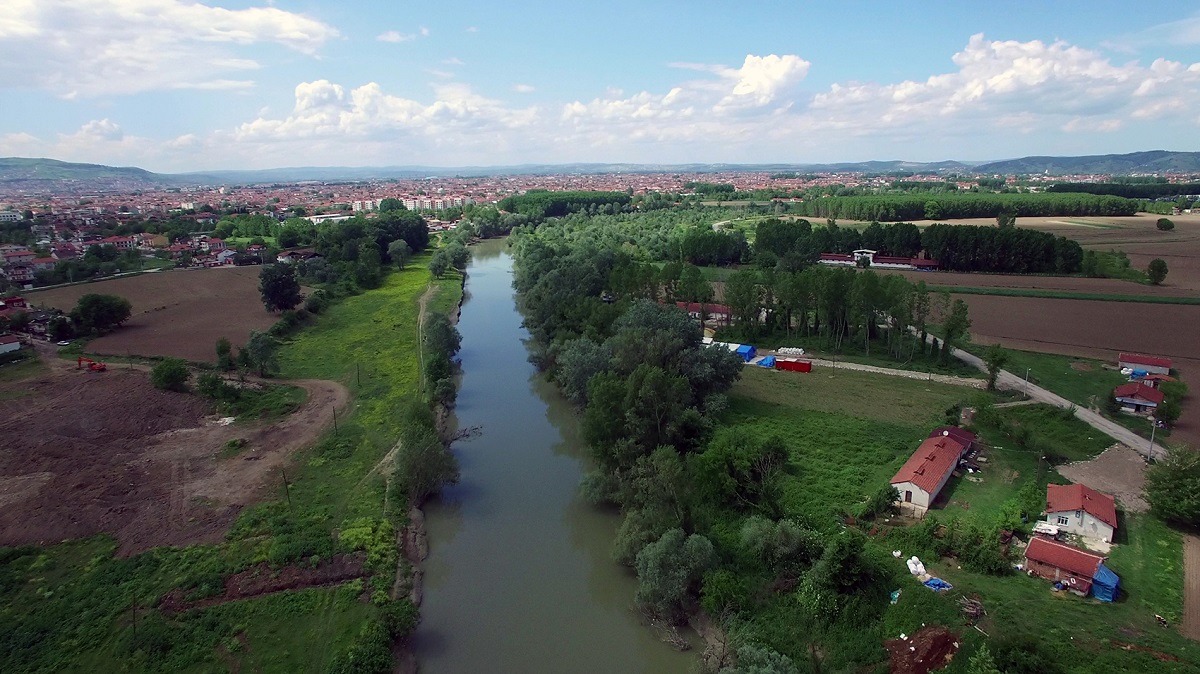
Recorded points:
(519, 576)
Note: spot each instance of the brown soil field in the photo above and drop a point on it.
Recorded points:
(88, 453)
(1099, 330)
(175, 313)
(1136, 235)
(1106, 286)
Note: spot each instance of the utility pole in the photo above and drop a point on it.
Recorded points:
(1153, 427)
(335, 431)
(286, 490)
(1027, 382)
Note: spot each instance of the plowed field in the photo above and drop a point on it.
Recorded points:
(1098, 330)
(87, 453)
(175, 313)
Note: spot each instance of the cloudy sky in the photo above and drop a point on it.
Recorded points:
(175, 85)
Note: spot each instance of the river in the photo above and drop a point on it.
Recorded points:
(519, 577)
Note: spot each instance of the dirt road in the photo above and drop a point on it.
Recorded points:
(1191, 586)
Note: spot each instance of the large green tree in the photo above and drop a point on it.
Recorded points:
(278, 286)
(1157, 271)
(99, 313)
(1173, 487)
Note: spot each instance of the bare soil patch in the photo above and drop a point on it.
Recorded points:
(1191, 586)
(175, 313)
(89, 453)
(1099, 286)
(262, 579)
(930, 649)
(1096, 329)
(1118, 470)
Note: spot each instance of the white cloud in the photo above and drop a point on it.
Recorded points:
(454, 61)
(395, 36)
(523, 88)
(77, 48)
(472, 29)
(424, 31)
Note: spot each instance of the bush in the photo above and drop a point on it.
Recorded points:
(1165, 224)
(171, 374)
(400, 617)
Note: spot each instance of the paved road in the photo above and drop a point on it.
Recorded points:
(1113, 430)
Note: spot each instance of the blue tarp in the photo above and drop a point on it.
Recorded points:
(769, 361)
(1138, 374)
(747, 352)
(937, 584)
(1105, 584)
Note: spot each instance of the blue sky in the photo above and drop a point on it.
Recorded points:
(175, 85)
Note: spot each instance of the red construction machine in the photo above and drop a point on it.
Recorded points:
(90, 364)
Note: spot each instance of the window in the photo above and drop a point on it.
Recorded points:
(1063, 520)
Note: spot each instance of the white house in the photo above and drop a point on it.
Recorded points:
(1081, 510)
(9, 343)
(922, 477)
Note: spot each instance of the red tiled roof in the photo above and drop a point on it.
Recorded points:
(1137, 359)
(1159, 377)
(1065, 557)
(1060, 498)
(933, 460)
(709, 307)
(9, 339)
(1136, 389)
(960, 435)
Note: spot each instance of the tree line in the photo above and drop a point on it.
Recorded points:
(1154, 190)
(540, 204)
(893, 208)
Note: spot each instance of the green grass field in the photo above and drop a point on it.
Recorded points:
(71, 607)
(848, 434)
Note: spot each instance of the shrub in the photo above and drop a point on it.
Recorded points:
(171, 374)
(1165, 224)
(400, 617)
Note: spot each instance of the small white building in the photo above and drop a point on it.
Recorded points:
(922, 477)
(9, 343)
(1148, 364)
(1081, 510)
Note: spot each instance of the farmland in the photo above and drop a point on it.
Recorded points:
(175, 313)
(77, 465)
(84, 595)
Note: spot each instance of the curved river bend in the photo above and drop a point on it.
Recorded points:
(519, 577)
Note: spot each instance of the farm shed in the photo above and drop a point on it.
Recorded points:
(9, 343)
(746, 352)
(1137, 397)
(1081, 510)
(716, 312)
(1151, 364)
(927, 471)
(1079, 571)
(793, 365)
(1156, 380)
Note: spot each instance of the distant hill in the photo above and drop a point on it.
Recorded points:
(21, 169)
(1154, 161)
(20, 175)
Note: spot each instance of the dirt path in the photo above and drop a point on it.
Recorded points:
(422, 303)
(1191, 586)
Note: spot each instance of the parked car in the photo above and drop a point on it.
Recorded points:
(65, 343)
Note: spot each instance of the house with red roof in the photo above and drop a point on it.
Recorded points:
(1081, 510)
(9, 343)
(922, 477)
(1149, 364)
(1138, 398)
(1079, 571)
(1156, 380)
(716, 312)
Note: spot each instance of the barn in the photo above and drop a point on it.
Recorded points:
(1079, 571)
(922, 477)
(1149, 364)
(1081, 510)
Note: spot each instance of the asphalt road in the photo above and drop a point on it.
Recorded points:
(1113, 430)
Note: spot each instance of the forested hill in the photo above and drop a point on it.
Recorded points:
(1154, 161)
(21, 168)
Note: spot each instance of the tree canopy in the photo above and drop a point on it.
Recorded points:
(278, 286)
(100, 313)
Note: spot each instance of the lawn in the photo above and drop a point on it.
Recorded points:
(1083, 381)
(853, 393)
(71, 607)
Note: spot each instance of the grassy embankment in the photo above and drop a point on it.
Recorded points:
(848, 434)
(72, 607)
